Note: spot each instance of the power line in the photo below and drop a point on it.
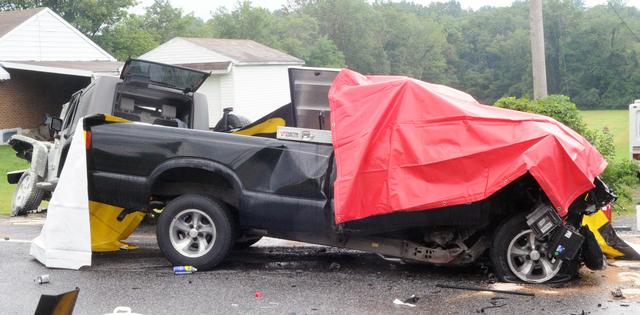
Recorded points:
(624, 22)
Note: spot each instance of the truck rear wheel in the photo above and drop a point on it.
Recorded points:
(26, 196)
(194, 230)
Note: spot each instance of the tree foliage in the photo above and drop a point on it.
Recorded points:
(621, 174)
(88, 16)
(593, 54)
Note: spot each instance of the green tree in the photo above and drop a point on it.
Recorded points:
(414, 46)
(355, 28)
(164, 21)
(245, 22)
(325, 54)
(593, 54)
(621, 173)
(293, 32)
(127, 39)
(88, 16)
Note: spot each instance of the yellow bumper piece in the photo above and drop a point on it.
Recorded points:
(107, 232)
(595, 222)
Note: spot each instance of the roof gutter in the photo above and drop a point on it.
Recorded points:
(222, 71)
(255, 63)
(29, 67)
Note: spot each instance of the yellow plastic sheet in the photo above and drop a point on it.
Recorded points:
(107, 233)
(269, 126)
(595, 222)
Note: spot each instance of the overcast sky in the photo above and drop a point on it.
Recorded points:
(203, 8)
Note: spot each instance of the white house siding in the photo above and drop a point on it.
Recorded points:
(46, 37)
(227, 94)
(180, 51)
(211, 89)
(259, 89)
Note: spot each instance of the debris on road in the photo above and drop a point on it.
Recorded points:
(183, 270)
(258, 294)
(625, 263)
(624, 228)
(334, 266)
(42, 279)
(491, 278)
(122, 310)
(410, 301)
(413, 299)
(492, 306)
(270, 306)
(446, 286)
(62, 304)
(617, 293)
(398, 302)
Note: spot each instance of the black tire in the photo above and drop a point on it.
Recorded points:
(221, 219)
(32, 196)
(499, 251)
(246, 243)
(591, 252)
(237, 121)
(233, 122)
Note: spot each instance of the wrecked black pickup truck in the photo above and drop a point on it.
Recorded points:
(220, 190)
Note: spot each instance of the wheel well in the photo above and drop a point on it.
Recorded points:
(521, 195)
(187, 180)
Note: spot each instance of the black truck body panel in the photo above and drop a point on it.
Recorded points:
(277, 183)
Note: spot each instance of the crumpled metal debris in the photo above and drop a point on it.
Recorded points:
(398, 302)
(410, 301)
(617, 293)
(494, 304)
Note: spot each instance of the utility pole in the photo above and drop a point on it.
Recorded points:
(538, 64)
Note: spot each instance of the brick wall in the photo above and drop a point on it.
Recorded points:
(29, 95)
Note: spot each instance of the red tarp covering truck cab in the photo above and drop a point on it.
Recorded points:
(406, 145)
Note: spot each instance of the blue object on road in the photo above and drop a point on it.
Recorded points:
(182, 270)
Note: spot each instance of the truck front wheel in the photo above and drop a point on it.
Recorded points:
(26, 196)
(517, 254)
(194, 230)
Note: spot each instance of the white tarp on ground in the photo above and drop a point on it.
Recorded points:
(4, 75)
(65, 239)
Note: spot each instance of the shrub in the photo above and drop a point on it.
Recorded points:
(620, 175)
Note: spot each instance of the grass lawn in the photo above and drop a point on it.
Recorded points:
(8, 162)
(617, 121)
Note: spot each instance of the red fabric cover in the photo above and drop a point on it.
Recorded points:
(406, 145)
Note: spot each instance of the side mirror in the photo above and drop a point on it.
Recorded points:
(55, 124)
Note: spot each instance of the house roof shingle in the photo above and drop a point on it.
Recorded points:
(12, 19)
(244, 50)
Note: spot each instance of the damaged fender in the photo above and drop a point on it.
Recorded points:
(34, 151)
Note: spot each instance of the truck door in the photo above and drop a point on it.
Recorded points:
(62, 140)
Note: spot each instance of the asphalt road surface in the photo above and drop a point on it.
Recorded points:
(291, 278)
